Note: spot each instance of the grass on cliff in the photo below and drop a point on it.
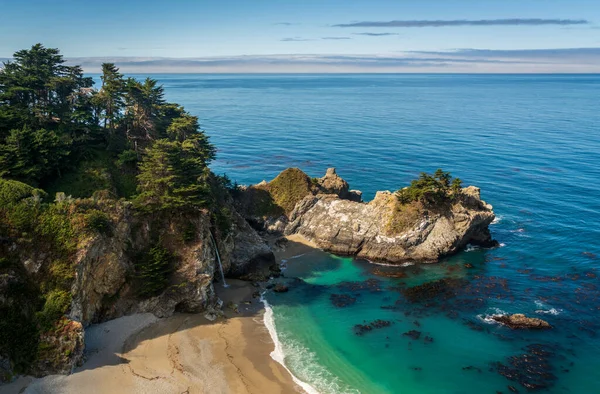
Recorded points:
(403, 217)
(289, 188)
(277, 197)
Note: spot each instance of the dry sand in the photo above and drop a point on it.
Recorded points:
(181, 354)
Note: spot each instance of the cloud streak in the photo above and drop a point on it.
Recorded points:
(376, 34)
(467, 22)
(296, 39)
(562, 60)
(336, 38)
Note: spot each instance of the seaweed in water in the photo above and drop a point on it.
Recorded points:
(533, 369)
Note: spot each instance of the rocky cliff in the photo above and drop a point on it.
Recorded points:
(384, 229)
(363, 229)
(135, 262)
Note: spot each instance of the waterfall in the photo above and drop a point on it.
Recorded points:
(218, 259)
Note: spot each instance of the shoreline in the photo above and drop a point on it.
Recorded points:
(185, 353)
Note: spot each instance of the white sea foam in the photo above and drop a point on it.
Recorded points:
(471, 248)
(278, 354)
(407, 264)
(302, 360)
(496, 220)
(546, 309)
(488, 318)
(502, 244)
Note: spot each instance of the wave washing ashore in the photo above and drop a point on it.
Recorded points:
(183, 353)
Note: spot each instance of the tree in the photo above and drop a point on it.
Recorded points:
(110, 96)
(31, 155)
(175, 174)
(144, 102)
(430, 189)
(36, 88)
(44, 107)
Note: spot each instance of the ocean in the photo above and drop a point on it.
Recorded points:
(530, 142)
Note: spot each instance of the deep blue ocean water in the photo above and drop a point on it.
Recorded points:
(530, 142)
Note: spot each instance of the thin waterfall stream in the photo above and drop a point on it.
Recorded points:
(218, 259)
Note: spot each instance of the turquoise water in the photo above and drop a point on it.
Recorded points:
(532, 143)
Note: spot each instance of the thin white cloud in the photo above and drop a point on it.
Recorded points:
(564, 60)
(467, 22)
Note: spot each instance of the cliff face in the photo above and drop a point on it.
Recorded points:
(352, 228)
(158, 263)
(334, 218)
(105, 283)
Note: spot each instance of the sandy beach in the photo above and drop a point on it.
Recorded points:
(181, 354)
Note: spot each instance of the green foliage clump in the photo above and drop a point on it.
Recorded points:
(431, 190)
(128, 157)
(12, 192)
(98, 222)
(56, 305)
(152, 271)
(175, 175)
(289, 188)
(54, 227)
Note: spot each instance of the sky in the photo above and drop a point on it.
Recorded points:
(311, 35)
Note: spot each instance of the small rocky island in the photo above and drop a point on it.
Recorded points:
(391, 228)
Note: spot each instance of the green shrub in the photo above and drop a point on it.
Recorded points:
(189, 233)
(56, 305)
(98, 222)
(152, 271)
(12, 192)
(430, 190)
(55, 228)
(127, 158)
(223, 219)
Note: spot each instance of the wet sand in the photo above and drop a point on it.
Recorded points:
(186, 353)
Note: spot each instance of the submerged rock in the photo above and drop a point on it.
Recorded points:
(519, 320)
(361, 329)
(280, 288)
(413, 334)
(533, 369)
(342, 300)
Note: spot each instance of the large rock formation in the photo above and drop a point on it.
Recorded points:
(351, 228)
(385, 229)
(103, 288)
(104, 274)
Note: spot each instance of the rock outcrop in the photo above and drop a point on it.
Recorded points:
(105, 280)
(351, 228)
(103, 288)
(332, 217)
(519, 320)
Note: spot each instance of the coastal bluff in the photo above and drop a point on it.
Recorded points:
(324, 211)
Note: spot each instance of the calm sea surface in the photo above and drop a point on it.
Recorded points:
(531, 143)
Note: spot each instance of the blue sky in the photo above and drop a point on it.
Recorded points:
(252, 33)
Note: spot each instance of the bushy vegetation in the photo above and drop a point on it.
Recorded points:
(56, 305)
(67, 152)
(152, 271)
(434, 189)
(428, 192)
